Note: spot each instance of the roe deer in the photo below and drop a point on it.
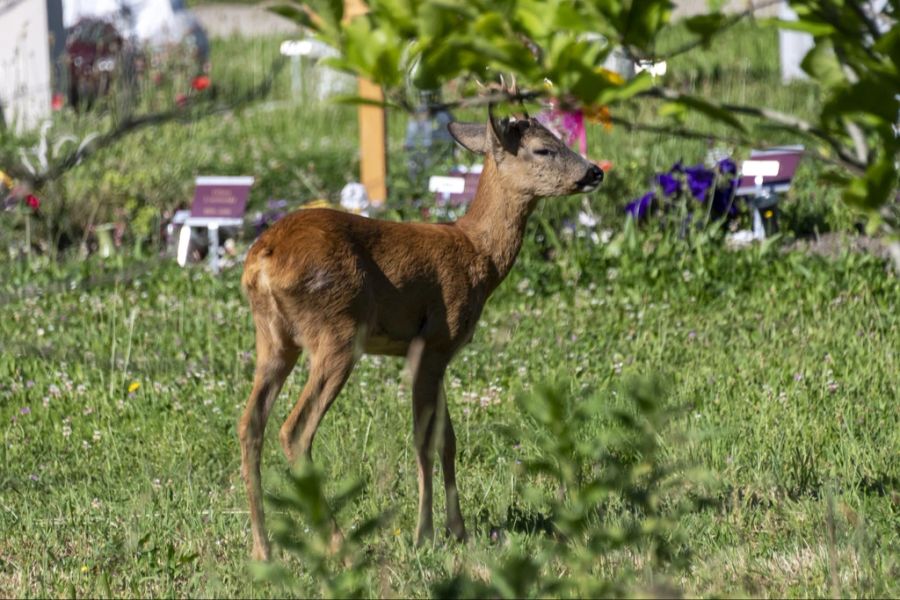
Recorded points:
(338, 285)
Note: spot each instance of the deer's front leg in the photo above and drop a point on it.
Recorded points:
(428, 373)
(455, 523)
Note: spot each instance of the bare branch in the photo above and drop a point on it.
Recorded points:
(870, 24)
(713, 137)
(781, 119)
(132, 124)
(678, 132)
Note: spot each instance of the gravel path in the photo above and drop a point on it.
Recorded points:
(245, 20)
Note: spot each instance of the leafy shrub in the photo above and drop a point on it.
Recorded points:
(599, 481)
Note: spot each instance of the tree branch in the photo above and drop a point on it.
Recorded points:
(707, 136)
(870, 24)
(786, 121)
(678, 132)
(132, 124)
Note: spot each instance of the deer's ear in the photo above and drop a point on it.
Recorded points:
(472, 136)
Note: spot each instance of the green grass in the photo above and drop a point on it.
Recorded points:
(788, 365)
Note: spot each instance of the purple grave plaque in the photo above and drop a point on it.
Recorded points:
(787, 160)
(221, 197)
(456, 189)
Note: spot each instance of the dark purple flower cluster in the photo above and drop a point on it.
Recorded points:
(715, 185)
(275, 209)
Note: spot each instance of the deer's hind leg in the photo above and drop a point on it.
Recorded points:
(331, 359)
(276, 356)
(332, 355)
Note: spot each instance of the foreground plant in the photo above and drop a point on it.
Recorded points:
(611, 495)
(338, 566)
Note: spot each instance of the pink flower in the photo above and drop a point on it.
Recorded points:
(568, 125)
(33, 202)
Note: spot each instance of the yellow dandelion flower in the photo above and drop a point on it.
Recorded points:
(135, 385)
(84, 568)
(769, 214)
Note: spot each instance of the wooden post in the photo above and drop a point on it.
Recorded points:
(372, 129)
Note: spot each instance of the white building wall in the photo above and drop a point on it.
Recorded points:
(24, 63)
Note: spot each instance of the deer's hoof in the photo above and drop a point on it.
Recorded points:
(457, 532)
(424, 535)
(261, 552)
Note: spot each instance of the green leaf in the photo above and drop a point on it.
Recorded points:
(639, 83)
(295, 14)
(706, 26)
(643, 21)
(816, 28)
(876, 187)
(271, 572)
(357, 100)
(871, 96)
(821, 64)
(674, 110)
(889, 44)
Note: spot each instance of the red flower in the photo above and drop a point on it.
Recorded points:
(200, 83)
(56, 103)
(33, 202)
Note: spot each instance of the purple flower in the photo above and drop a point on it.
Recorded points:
(699, 180)
(25, 410)
(723, 199)
(726, 166)
(678, 167)
(639, 207)
(669, 183)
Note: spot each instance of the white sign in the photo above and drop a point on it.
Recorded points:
(447, 185)
(656, 69)
(760, 168)
(311, 48)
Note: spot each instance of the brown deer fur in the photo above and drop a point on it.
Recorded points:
(338, 285)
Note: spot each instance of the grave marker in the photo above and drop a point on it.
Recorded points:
(218, 202)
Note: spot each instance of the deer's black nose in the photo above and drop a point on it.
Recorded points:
(591, 179)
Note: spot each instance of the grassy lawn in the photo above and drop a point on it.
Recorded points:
(120, 403)
(121, 382)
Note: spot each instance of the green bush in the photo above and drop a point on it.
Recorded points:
(598, 490)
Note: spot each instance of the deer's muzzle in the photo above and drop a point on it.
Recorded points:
(591, 179)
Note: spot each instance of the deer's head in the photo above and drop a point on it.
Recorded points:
(530, 159)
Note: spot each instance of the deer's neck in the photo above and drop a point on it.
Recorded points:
(495, 222)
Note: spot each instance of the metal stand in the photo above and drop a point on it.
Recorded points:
(212, 226)
(213, 229)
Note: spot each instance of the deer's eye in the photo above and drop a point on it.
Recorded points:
(544, 152)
